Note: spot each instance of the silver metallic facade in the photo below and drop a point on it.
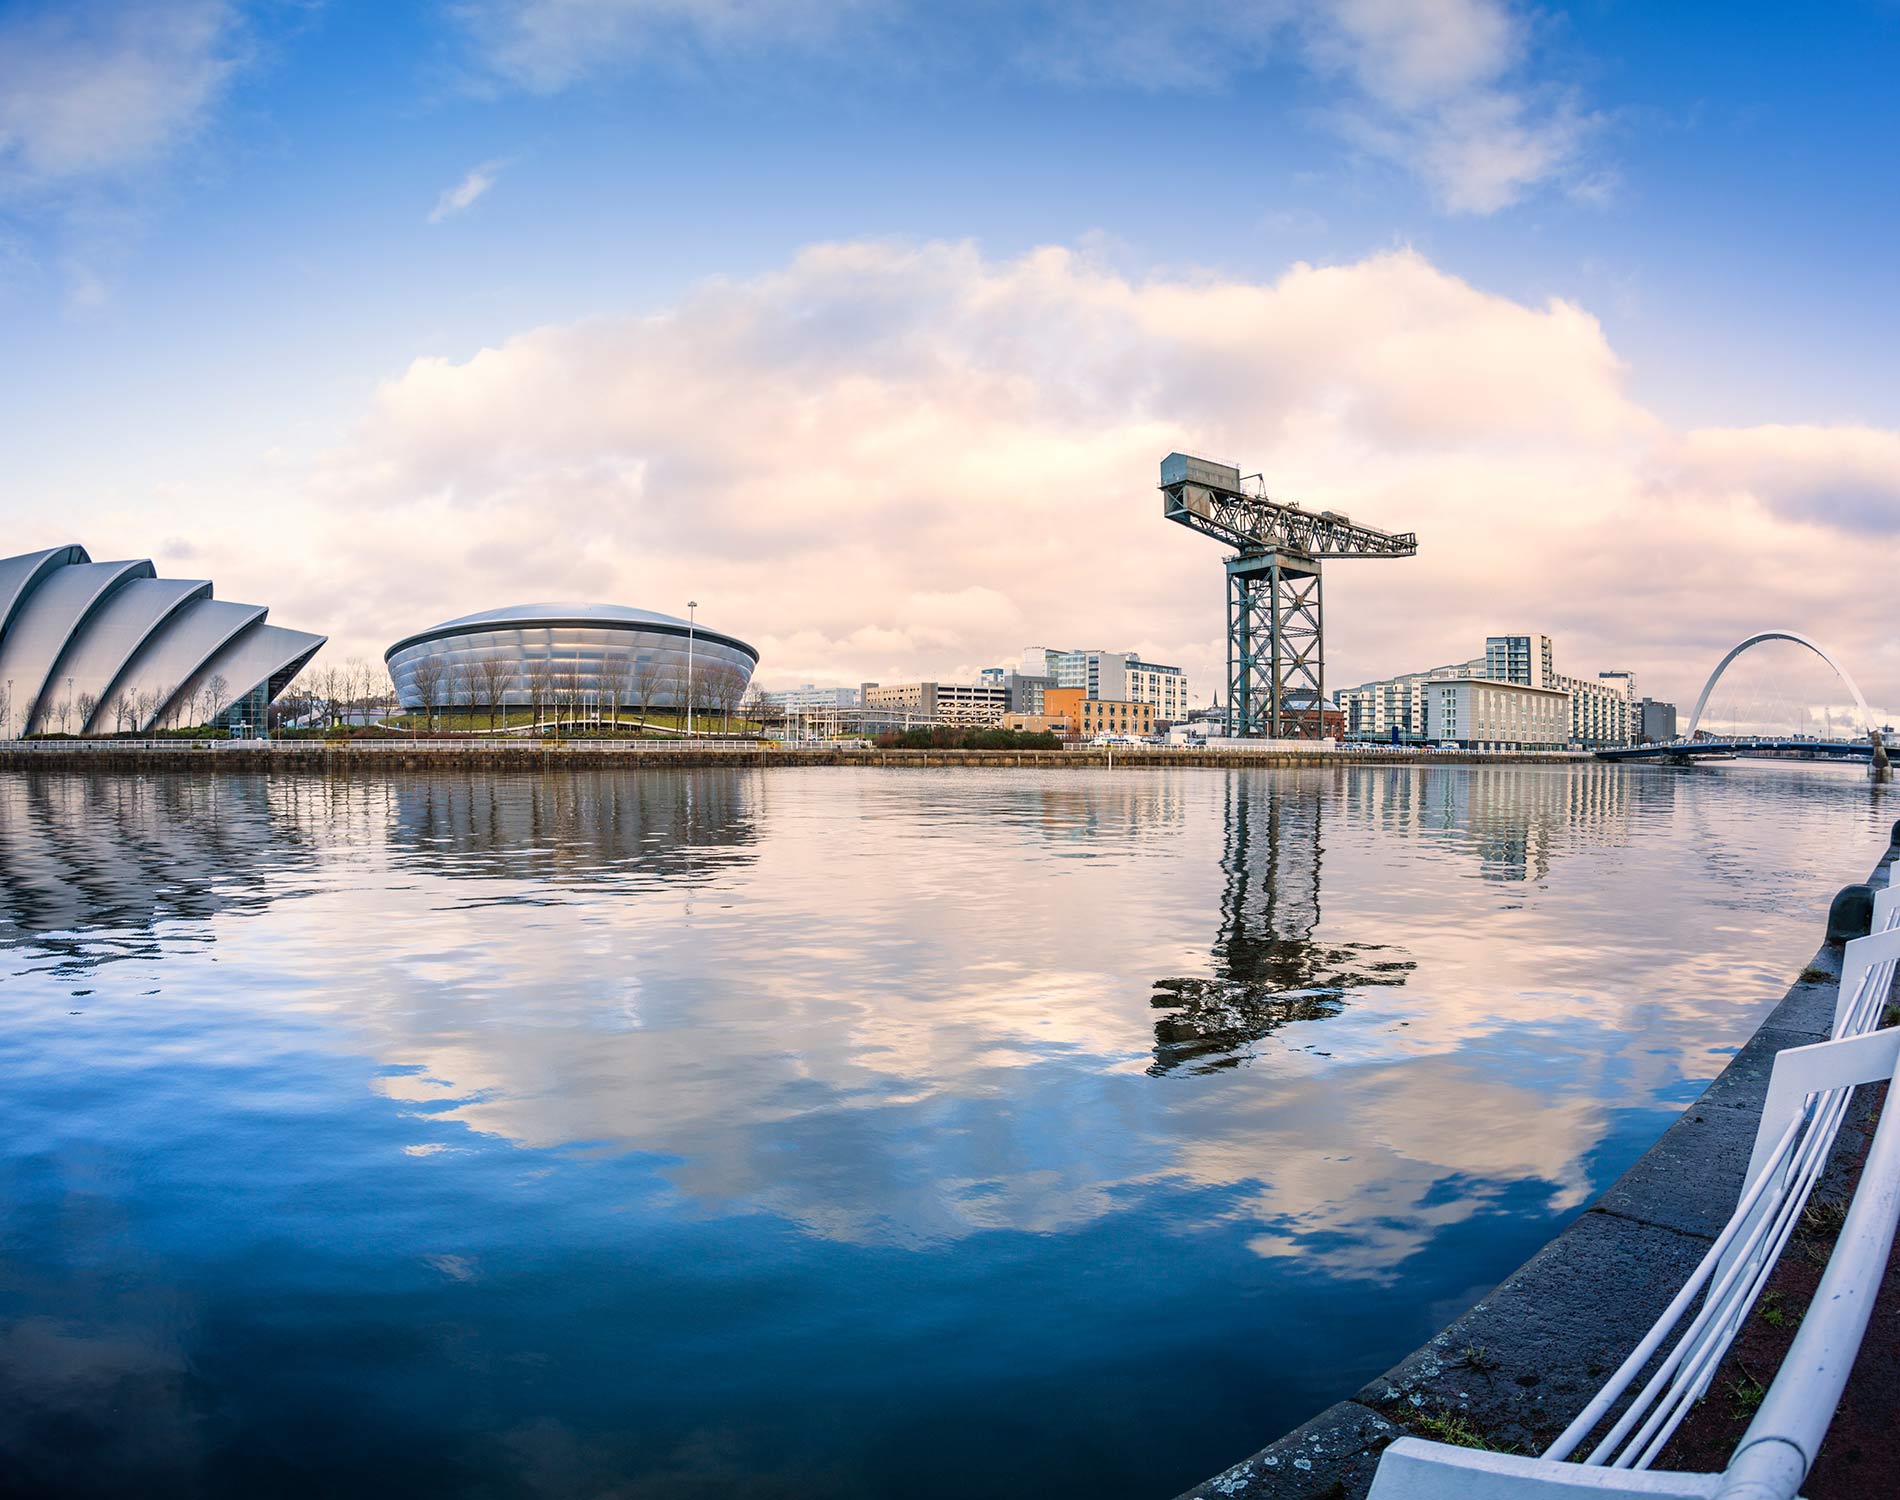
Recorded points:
(606, 651)
(90, 647)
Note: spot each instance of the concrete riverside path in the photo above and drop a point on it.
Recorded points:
(1522, 1362)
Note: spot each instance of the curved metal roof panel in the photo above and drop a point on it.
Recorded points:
(95, 657)
(520, 614)
(261, 656)
(169, 659)
(18, 574)
(56, 608)
(530, 616)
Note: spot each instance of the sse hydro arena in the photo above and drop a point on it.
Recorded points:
(527, 652)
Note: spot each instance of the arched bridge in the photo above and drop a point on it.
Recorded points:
(1867, 746)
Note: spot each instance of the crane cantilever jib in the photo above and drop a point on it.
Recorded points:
(1276, 674)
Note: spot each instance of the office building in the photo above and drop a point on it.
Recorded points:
(810, 699)
(1113, 676)
(1655, 722)
(1096, 718)
(957, 703)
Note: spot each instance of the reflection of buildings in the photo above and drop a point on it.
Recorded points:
(1268, 970)
(1513, 819)
(1108, 816)
(86, 859)
(578, 827)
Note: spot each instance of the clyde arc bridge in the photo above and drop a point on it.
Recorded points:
(1276, 656)
(1696, 745)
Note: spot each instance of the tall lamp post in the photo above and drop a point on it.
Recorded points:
(692, 605)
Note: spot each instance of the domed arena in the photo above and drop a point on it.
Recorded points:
(527, 654)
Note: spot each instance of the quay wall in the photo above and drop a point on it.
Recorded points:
(1524, 1360)
(378, 755)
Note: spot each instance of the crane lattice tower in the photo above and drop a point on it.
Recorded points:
(1276, 656)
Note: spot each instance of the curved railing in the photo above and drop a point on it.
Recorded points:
(1808, 1096)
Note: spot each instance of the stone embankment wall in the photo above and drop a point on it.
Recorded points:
(1522, 1363)
(320, 756)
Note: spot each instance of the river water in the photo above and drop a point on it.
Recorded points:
(829, 1132)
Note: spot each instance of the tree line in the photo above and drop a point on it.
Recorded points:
(139, 709)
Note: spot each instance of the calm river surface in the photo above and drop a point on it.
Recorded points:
(829, 1132)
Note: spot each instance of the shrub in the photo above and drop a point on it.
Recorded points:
(941, 737)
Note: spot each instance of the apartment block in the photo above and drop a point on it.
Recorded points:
(1481, 713)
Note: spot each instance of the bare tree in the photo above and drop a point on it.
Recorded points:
(427, 681)
(464, 686)
(724, 687)
(496, 674)
(375, 692)
(640, 674)
(754, 707)
(6, 709)
(671, 686)
(705, 688)
(615, 684)
(143, 707)
(88, 706)
(217, 689)
(353, 680)
(567, 680)
(540, 685)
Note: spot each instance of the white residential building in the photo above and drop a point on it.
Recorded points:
(1482, 713)
(1600, 706)
(1373, 710)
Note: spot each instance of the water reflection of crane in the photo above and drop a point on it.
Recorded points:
(1268, 970)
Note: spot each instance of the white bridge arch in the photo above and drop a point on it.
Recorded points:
(1866, 718)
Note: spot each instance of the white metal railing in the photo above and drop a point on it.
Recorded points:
(392, 744)
(1808, 1095)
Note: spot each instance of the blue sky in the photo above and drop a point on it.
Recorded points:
(250, 256)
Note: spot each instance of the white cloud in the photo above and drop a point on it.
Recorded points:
(93, 88)
(1842, 477)
(1438, 87)
(890, 461)
(1432, 93)
(456, 199)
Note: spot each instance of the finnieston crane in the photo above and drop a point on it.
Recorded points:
(1276, 659)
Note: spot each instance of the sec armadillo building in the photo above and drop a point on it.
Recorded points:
(523, 653)
(95, 647)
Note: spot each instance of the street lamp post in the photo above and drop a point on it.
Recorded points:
(692, 605)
